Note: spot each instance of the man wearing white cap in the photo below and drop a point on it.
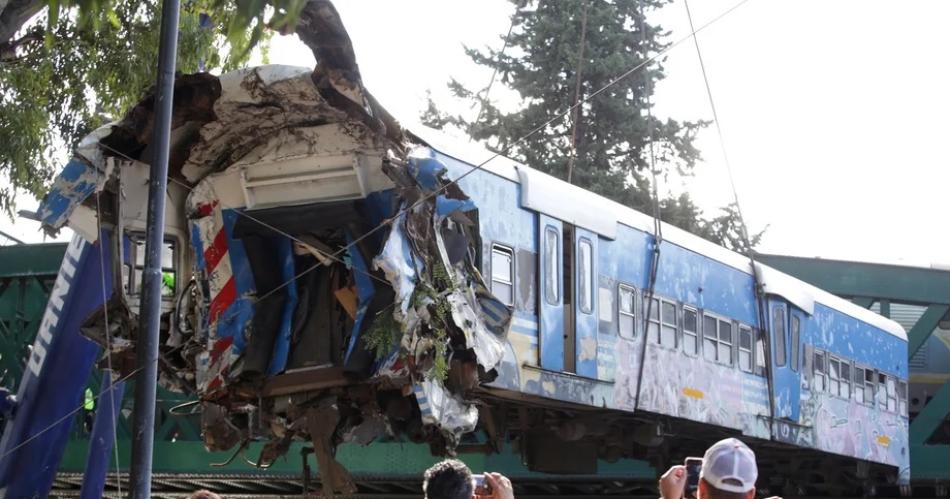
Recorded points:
(728, 472)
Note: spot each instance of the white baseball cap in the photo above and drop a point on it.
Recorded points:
(729, 465)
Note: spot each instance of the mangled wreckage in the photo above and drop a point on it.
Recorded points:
(331, 276)
(333, 292)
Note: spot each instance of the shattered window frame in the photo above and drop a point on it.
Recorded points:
(693, 334)
(506, 252)
(625, 316)
(585, 277)
(551, 264)
(133, 272)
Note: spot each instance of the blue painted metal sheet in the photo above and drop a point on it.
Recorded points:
(585, 302)
(285, 260)
(551, 341)
(365, 290)
(60, 363)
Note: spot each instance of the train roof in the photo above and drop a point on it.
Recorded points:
(545, 193)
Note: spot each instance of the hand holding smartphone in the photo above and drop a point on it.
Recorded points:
(482, 487)
(693, 466)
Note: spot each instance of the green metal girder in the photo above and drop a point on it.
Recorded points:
(869, 280)
(383, 458)
(924, 327)
(931, 416)
(31, 260)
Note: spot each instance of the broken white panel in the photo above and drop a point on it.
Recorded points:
(300, 166)
(441, 408)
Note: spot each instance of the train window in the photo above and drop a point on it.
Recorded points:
(834, 381)
(717, 340)
(551, 266)
(778, 334)
(891, 394)
(794, 329)
(759, 353)
(859, 384)
(626, 311)
(669, 324)
(820, 372)
(881, 391)
(653, 319)
(869, 387)
(585, 278)
(502, 274)
(725, 343)
(902, 397)
(710, 337)
(133, 282)
(690, 331)
(745, 349)
(845, 388)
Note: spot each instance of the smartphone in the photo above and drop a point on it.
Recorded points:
(482, 487)
(693, 465)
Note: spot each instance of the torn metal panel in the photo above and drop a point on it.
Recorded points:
(448, 412)
(78, 180)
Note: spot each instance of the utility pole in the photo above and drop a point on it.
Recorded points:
(143, 424)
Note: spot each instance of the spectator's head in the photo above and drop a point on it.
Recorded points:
(449, 479)
(728, 472)
(204, 494)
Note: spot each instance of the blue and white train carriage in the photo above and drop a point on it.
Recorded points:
(530, 295)
(575, 267)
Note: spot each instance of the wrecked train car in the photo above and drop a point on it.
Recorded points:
(333, 277)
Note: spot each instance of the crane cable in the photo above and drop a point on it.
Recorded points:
(758, 289)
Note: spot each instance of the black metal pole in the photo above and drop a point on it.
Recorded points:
(143, 429)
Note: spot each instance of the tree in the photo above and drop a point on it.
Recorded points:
(82, 63)
(560, 53)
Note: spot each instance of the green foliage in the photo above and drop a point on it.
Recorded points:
(88, 61)
(610, 134)
(383, 335)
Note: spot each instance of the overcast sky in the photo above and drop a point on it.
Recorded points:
(834, 112)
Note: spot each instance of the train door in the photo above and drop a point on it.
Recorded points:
(585, 303)
(785, 326)
(551, 317)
